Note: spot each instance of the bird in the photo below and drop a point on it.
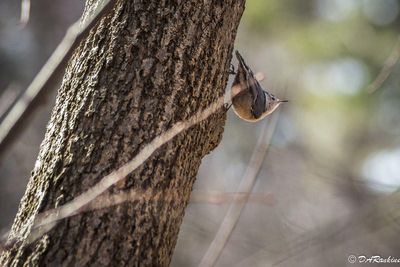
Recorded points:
(250, 101)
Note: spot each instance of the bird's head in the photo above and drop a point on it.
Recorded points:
(273, 103)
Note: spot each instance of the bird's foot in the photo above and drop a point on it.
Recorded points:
(227, 106)
(232, 70)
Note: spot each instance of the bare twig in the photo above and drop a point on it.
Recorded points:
(335, 231)
(119, 174)
(25, 12)
(227, 197)
(9, 96)
(106, 201)
(50, 217)
(47, 220)
(44, 222)
(213, 197)
(387, 69)
(246, 185)
(40, 86)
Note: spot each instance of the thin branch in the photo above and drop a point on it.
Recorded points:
(8, 97)
(212, 197)
(25, 12)
(336, 231)
(106, 201)
(41, 84)
(44, 222)
(387, 69)
(119, 174)
(246, 185)
(218, 198)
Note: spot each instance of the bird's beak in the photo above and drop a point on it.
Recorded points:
(283, 101)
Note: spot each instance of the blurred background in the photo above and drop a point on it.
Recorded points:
(328, 185)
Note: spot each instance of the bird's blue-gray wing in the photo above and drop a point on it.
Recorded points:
(245, 77)
(259, 100)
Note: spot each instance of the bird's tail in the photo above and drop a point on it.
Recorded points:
(241, 61)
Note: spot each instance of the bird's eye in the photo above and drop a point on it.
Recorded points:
(273, 97)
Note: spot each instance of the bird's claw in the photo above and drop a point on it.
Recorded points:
(232, 70)
(227, 106)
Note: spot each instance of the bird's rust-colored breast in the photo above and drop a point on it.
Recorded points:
(241, 103)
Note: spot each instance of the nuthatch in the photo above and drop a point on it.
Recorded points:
(249, 100)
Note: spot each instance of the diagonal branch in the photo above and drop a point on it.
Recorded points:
(387, 69)
(41, 84)
(48, 219)
(71, 207)
(25, 12)
(246, 185)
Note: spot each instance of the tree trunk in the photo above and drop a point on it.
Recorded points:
(144, 67)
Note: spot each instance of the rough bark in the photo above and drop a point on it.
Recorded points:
(143, 67)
